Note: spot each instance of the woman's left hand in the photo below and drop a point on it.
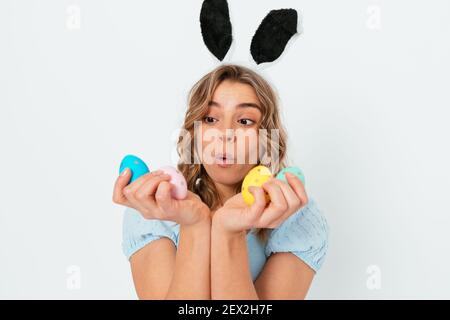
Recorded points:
(286, 198)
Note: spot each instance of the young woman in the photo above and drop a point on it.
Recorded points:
(212, 245)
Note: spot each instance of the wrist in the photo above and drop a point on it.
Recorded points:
(203, 217)
(204, 214)
(201, 226)
(219, 227)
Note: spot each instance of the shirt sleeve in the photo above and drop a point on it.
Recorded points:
(138, 232)
(305, 234)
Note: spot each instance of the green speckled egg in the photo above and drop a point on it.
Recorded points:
(294, 170)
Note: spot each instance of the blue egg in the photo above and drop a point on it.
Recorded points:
(294, 170)
(136, 165)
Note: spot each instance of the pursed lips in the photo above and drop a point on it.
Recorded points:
(224, 158)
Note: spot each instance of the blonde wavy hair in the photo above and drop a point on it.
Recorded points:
(198, 181)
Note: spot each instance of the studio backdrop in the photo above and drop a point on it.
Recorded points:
(364, 94)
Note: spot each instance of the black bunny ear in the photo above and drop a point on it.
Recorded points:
(273, 34)
(216, 27)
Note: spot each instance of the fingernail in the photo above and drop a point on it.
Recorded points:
(124, 172)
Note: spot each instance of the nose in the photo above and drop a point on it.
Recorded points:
(227, 136)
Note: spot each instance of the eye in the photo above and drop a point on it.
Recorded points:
(208, 119)
(246, 122)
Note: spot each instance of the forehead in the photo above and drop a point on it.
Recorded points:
(233, 93)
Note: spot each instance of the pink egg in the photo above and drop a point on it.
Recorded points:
(179, 189)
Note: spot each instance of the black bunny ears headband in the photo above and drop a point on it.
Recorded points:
(269, 40)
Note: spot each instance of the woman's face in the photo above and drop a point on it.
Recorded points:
(229, 132)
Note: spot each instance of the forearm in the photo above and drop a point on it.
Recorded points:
(230, 269)
(191, 277)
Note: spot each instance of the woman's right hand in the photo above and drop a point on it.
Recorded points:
(150, 195)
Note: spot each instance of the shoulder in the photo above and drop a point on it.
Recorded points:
(138, 231)
(305, 234)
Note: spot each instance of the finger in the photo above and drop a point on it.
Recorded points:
(148, 188)
(255, 211)
(291, 197)
(278, 204)
(294, 202)
(145, 195)
(137, 198)
(143, 179)
(119, 185)
(297, 186)
(164, 198)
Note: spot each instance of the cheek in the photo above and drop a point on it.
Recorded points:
(229, 177)
(205, 141)
(208, 135)
(203, 138)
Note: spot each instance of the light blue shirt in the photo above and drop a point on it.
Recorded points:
(305, 234)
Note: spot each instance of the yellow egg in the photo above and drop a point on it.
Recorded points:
(255, 177)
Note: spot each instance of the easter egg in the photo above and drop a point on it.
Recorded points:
(179, 185)
(294, 170)
(255, 177)
(137, 166)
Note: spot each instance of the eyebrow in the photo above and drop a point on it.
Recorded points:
(240, 105)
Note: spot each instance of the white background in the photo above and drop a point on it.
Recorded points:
(364, 92)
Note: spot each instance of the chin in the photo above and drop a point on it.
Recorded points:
(228, 176)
